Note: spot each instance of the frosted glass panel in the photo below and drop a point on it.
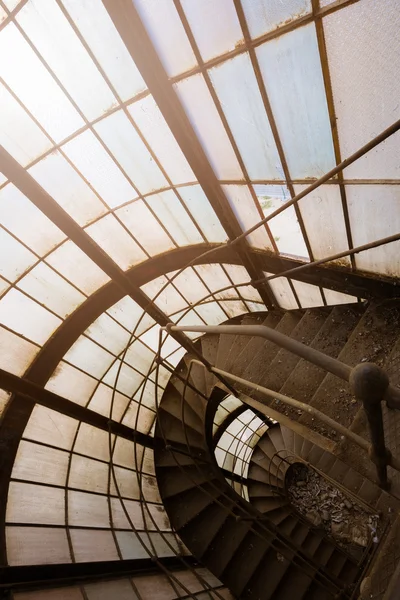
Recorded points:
(128, 313)
(88, 510)
(190, 286)
(158, 135)
(308, 295)
(142, 224)
(19, 258)
(333, 297)
(71, 383)
(29, 79)
(16, 353)
(203, 213)
(23, 315)
(374, 214)
(365, 84)
(211, 313)
(167, 34)
(28, 503)
(282, 292)
(34, 229)
(243, 205)
(48, 288)
(264, 15)
(37, 546)
(108, 334)
(215, 26)
(208, 126)
(48, 426)
(94, 23)
(116, 241)
(89, 357)
(55, 174)
(215, 278)
(174, 217)
(92, 160)
(71, 262)
(323, 218)
(91, 546)
(19, 134)
(292, 73)
(169, 300)
(131, 153)
(237, 89)
(56, 41)
(40, 463)
(285, 227)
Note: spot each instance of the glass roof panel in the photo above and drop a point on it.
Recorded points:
(30, 81)
(204, 117)
(236, 86)
(363, 71)
(247, 214)
(19, 134)
(19, 258)
(166, 31)
(16, 353)
(291, 69)
(201, 210)
(283, 292)
(98, 31)
(62, 181)
(264, 15)
(308, 295)
(215, 26)
(158, 135)
(174, 217)
(53, 37)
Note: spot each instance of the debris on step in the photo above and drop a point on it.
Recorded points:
(328, 508)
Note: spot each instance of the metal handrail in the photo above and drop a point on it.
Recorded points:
(369, 384)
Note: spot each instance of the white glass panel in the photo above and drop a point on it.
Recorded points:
(125, 379)
(158, 135)
(128, 313)
(88, 510)
(211, 313)
(150, 489)
(167, 34)
(92, 546)
(28, 503)
(292, 72)
(116, 241)
(124, 453)
(35, 229)
(134, 510)
(282, 292)
(131, 547)
(23, 315)
(190, 286)
(93, 442)
(285, 227)
(237, 89)
(11, 4)
(243, 206)
(215, 278)
(48, 288)
(101, 402)
(365, 84)
(233, 308)
(308, 295)
(174, 217)
(118, 133)
(71, 262)
(145, 228)
(265, 15)
(374, 214)
(100, 34)
(89, 357)
(2, 179)
(160, 544)
(143, 422)
(108, 334)
(208, 126)
(19, 134)
(71, 383)
(15, 257)
(37, 546)
(127, 483)
(169, 300)
(56, 41)
(333, 297)
(215, 26)
(39, 463)
(120, 588)
(323, 218)
(69, 593)
(29, 79)
(89, 475)
(139, 357)
(92, 160)
(4, 285)
(62, 182)
(156, 587)
(157, 518)
(198, 205)
(50, 427)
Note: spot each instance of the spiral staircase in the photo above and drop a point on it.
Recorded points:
(263, 548)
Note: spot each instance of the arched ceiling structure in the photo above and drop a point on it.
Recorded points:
(136, 137)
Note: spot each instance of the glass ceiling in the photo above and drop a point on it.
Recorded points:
(277, 93)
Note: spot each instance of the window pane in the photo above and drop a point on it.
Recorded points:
(265, 15)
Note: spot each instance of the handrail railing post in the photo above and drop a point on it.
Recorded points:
(369, 384)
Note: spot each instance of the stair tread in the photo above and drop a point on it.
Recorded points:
(269, 574)
(202, 529)
(240, 569)
(224, 546)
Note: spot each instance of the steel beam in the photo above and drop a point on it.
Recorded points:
(134, 35)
